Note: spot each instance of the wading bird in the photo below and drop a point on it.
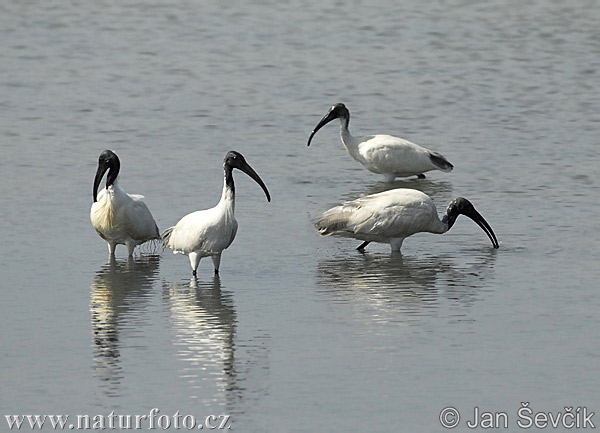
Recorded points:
(208, 232)
(118, 217)
(392, 216)
(384, 154)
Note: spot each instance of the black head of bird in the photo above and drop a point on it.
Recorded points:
(108, 160)
(236, 160)
(462, 206)
(337, 111)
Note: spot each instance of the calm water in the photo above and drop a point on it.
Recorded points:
(300, 333)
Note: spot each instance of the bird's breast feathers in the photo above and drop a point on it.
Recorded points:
(103, 213)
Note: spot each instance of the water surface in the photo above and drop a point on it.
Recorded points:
(300, 333)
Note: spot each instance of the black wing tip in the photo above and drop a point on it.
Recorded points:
(440, 161)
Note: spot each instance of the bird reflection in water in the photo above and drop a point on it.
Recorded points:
(434, 189)
(204, 323)
(401, 288)
(119, 293)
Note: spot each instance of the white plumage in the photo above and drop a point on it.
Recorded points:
(208, 232)
(384, 154)
(392, 216)
(118, 217)
(205, 233)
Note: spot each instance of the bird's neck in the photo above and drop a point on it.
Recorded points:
(228, 194)
(345, 123)
(449, 219)
(113, 173)
(112, 188)
(350, 142)
(439, 226)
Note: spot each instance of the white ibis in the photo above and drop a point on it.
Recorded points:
(394, 215)
(384, 154)
(118, 217)
(208, 232)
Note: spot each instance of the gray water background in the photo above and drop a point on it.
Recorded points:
(300, 333)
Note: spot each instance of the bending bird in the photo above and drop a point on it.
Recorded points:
(392, 216)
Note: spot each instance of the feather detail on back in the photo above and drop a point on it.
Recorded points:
(391, 214)
(336, 219)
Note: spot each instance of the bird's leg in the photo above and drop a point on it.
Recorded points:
(362, 246)
(130, 248)
(396, 244)
(111, 249)
(194, 261)
(216, 262)
(421, 176)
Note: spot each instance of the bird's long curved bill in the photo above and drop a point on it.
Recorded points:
(481, 222)
(99, 174)
(324, 121)
(250, 172)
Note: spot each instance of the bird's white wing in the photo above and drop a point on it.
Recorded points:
(388, 154)
(139, 222)
(397, 213)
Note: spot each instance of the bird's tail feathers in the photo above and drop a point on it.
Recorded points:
(440, 161)
(166, 236)
(153, 246)
(333, 220)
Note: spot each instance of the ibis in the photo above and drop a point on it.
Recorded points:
(208, 232)
(392, 216)
(384, 154)
(118, 217)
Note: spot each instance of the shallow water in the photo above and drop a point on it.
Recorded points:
(300, 333)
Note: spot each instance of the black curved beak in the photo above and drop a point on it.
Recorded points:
(245, 167)
(102, 168)
(481, 222)
(324, 121)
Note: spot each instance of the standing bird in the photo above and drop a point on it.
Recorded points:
(394, 215)
(208, 232)
(118, 217)
(384, 154)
